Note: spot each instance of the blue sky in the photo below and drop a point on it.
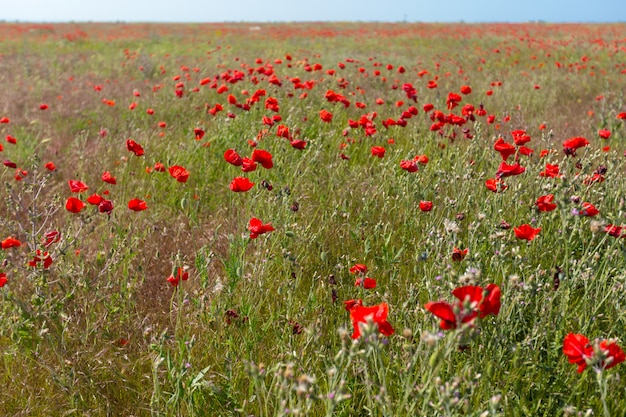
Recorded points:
(313, 10)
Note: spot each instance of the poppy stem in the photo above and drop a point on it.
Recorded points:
(602, 388)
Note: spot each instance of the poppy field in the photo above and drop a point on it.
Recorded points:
(313, 219)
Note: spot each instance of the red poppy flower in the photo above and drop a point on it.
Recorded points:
(326, 116)
(51, 237)
(367, 283)
(409, 165)
(298, 144)
(159, 167)
(604, 133)
(544, 203)
(526, 232)
(459, 254)
(43, 106)
(505, 170)
(491, 301)
(614, 354)
(350, 304)
(108, 178)
(5, 120)
(358, 269)
(589, 210)
(466, 89)
(619, 116)
(445, 311)
(47, 260)
(426, 206)
(248, 165)
(137, 205)
(378, 151)
(232, 157)
(551, 171)
(453, 100)
(11, 242)
(74, 205)
(256, 228)
(3, 279)
(505, 149)
(199, 133)
(95, 199)
(496, 185)
(241, 184)
(263, 157)
(570, 145)
(9, 164)
(180, 275)
(50, 166)
(105, 206)
(377, 313)
(134, 147)
(615, 231)
(11, 139)
(520, 137)
(77, 186)
(577, 349)
(523, 150)
(179, 173)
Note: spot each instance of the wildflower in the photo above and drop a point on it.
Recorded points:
(459, 254)
(551, 171)
(367, 283)
(378, 151)
(180, 275)
(589, 210)
(326, 116)
(74, 205)
(505, 149)
(505, 170)
(263, 157)
(179, 173)
(134, 147)
(496, 185)
(137, 205)
(232, 157)
(570, 145)
(256, 228)
(377, 313)
(77, 186)
(526, 232)
(426, 206)
(241, 184)
(108, 178)
(11, 242)
(51, 237)
(544, 203)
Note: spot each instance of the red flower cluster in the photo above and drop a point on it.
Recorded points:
(362, 281)
(603, 354)
(473, 301)
(361, 314)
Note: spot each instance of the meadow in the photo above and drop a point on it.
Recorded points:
(313, 219)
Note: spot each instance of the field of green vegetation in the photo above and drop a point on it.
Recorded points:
(312, 219)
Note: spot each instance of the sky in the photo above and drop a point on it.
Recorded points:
(313, 10)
